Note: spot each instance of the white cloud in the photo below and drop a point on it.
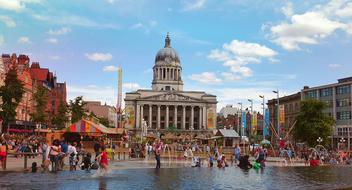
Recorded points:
(16, 5)
(238, 54)
(153, 23)
(99, 56)
(334, 65)
(61, 31)
(110, 68)
(64, 19)
(193, 5)
(8, 21)
(206, 77)
(131, 86)
(230, 76)
(54, 57)
(93, 93)
(307, 28)
(345, 11)
(52, 40)
(111, 1)
(137, 25)
(312, 26)
(288, 9)
(24, 40)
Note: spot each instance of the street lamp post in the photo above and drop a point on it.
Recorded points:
(342, 141)
(278, 112)
(250, 129)
(319, 140)
(262, 96)
(241, 119)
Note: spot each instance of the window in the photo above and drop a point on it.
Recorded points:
(311, 94)
(344, 115)
(167, 87)
(343, 89)
(328, 103)
(326, 92)
(342, 102)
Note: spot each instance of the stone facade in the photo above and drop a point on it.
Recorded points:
(166, 104)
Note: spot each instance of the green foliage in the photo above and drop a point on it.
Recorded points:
(40, 99)
(172, 129)
(312, 123)
(104, 121)
(11, 94)
(77, 109)
(61, 118)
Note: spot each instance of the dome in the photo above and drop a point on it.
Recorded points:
(167, 55)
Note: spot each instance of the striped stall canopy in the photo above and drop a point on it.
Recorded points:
(82, 126)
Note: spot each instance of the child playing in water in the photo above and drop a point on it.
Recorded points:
(103, 161)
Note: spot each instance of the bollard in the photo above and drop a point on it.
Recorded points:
(119, 155)
(124, 155)
(25, 161)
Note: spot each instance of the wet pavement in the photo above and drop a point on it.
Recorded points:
(180, 177)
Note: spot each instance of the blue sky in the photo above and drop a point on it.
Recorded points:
(233, 49)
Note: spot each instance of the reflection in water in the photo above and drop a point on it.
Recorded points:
(187, 178)
(102, 184)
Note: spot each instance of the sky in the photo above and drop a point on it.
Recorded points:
(234, 49)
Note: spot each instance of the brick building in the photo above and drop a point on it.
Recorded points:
(32, 76)
(102, 111)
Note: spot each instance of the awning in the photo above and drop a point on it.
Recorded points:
(85, 126)
(228, 133)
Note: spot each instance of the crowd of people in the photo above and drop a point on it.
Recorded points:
(56, 153)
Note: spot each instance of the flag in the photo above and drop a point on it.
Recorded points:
(282, 114)
(266, 123)
(243, 119)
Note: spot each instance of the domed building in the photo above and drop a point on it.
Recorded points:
(167, 104)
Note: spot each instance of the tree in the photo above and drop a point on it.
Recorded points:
(104, 121)
(172, 128)
(60, 119)
(40, 98)
(77, 109)
(312, 123)
(11, 94)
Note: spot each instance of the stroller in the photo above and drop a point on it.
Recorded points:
(87, 163)
(196, 162)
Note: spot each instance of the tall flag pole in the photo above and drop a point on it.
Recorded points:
(119, 98)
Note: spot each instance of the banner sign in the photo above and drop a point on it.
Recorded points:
(266, 123)
(243, 119)
(282, 114)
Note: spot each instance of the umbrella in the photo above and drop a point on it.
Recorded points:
(265, 142)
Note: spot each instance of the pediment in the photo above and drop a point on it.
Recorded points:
(171, 96)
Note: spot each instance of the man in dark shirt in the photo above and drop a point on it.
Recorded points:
(97, 148)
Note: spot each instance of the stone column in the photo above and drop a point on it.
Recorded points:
(150, 116)
(167, 118)
(158, 118)
(142, 116)
(183, 125)
(200, 121)
(192, 118)
(175, 116)
(137, 115)
(205, 117)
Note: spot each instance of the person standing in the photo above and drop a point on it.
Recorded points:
(54, 152)
(97, 148)
(3, 152)
(157, 150)
(237, 153)
(103, 160)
